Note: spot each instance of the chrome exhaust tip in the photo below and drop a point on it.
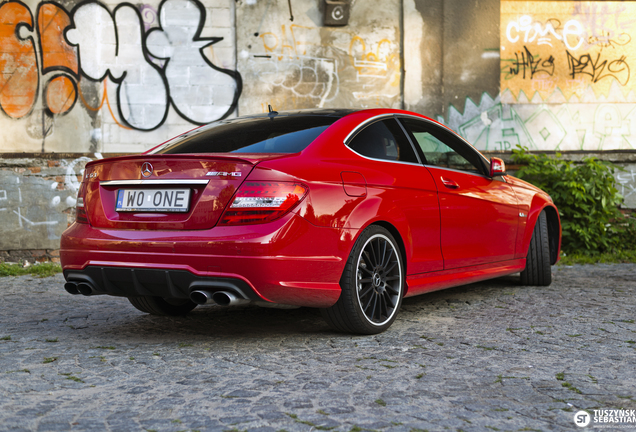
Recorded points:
(201, 297)
(224, 298)
(71, 288)
(84, 288)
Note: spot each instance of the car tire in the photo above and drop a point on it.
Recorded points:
(161, 306)
(538, 271)
(372, 285)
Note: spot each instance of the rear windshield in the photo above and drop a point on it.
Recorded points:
(279, 134)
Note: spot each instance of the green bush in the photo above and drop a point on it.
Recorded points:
(585, 194)
(40, 270)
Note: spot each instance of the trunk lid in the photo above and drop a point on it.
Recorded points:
(207, 182)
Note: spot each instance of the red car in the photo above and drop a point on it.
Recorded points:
(346, 211)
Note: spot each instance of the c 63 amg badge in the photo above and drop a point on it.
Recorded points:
(223, 174)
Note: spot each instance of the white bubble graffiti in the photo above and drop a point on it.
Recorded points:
(151, 70)
(544, 32)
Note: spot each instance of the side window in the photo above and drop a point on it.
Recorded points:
(441, 148)
(384, 140)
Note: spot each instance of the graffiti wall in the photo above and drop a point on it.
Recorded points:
(626, 183)
(95, 76)
(90, 76)
(37, 200)
(114, 77)
(567, 50)
(567, 79)
(86, 76)
(290, 60)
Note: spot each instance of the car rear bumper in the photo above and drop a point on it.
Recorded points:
(166, 283)
(289, 261)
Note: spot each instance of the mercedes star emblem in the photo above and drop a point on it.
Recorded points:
(146, 169)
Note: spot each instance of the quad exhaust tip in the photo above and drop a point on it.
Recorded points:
(224, 298)
(201, 297)
(220, 298)
(71, 288)
(75, 288)
(85, 288)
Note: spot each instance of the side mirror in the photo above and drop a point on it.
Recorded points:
(497, 167)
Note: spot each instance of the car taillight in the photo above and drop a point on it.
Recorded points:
(260, 202)
(80, 210)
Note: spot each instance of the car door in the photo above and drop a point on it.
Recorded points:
(394, 174)
(479, 214)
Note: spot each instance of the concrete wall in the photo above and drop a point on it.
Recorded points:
(458, 56)
(81, 79)
(37, 199)
(303, 64)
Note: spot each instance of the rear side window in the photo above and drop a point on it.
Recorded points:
(280, 134)
(441, 148)
(384, 140)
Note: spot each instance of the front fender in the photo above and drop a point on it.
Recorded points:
(538, 204)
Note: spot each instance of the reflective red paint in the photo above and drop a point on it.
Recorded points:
(452, 227)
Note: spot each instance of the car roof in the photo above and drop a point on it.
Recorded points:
(324, 112)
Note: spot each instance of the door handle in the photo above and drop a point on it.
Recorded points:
(451, 184)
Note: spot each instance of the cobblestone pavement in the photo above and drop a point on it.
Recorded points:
(487, 356)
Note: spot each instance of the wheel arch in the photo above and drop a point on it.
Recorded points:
(397, 236)
(540, 204)
(400, 242)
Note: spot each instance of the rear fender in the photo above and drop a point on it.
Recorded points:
(393, 219)
(353, 215)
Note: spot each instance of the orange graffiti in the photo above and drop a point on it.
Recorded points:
(358, 47)
(19, 78)
(270, 42)
(285, 45)
(52, 20)
(371, 64)
(110, 109)
(101, 103)
(86, 104)
(269, 36)
(362, 47)
(60, 95)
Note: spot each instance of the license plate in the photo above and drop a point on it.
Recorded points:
(153, 200)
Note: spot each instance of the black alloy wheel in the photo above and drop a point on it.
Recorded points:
(379, 278)
(372, 285)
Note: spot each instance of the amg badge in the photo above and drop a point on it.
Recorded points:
(224, 174)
